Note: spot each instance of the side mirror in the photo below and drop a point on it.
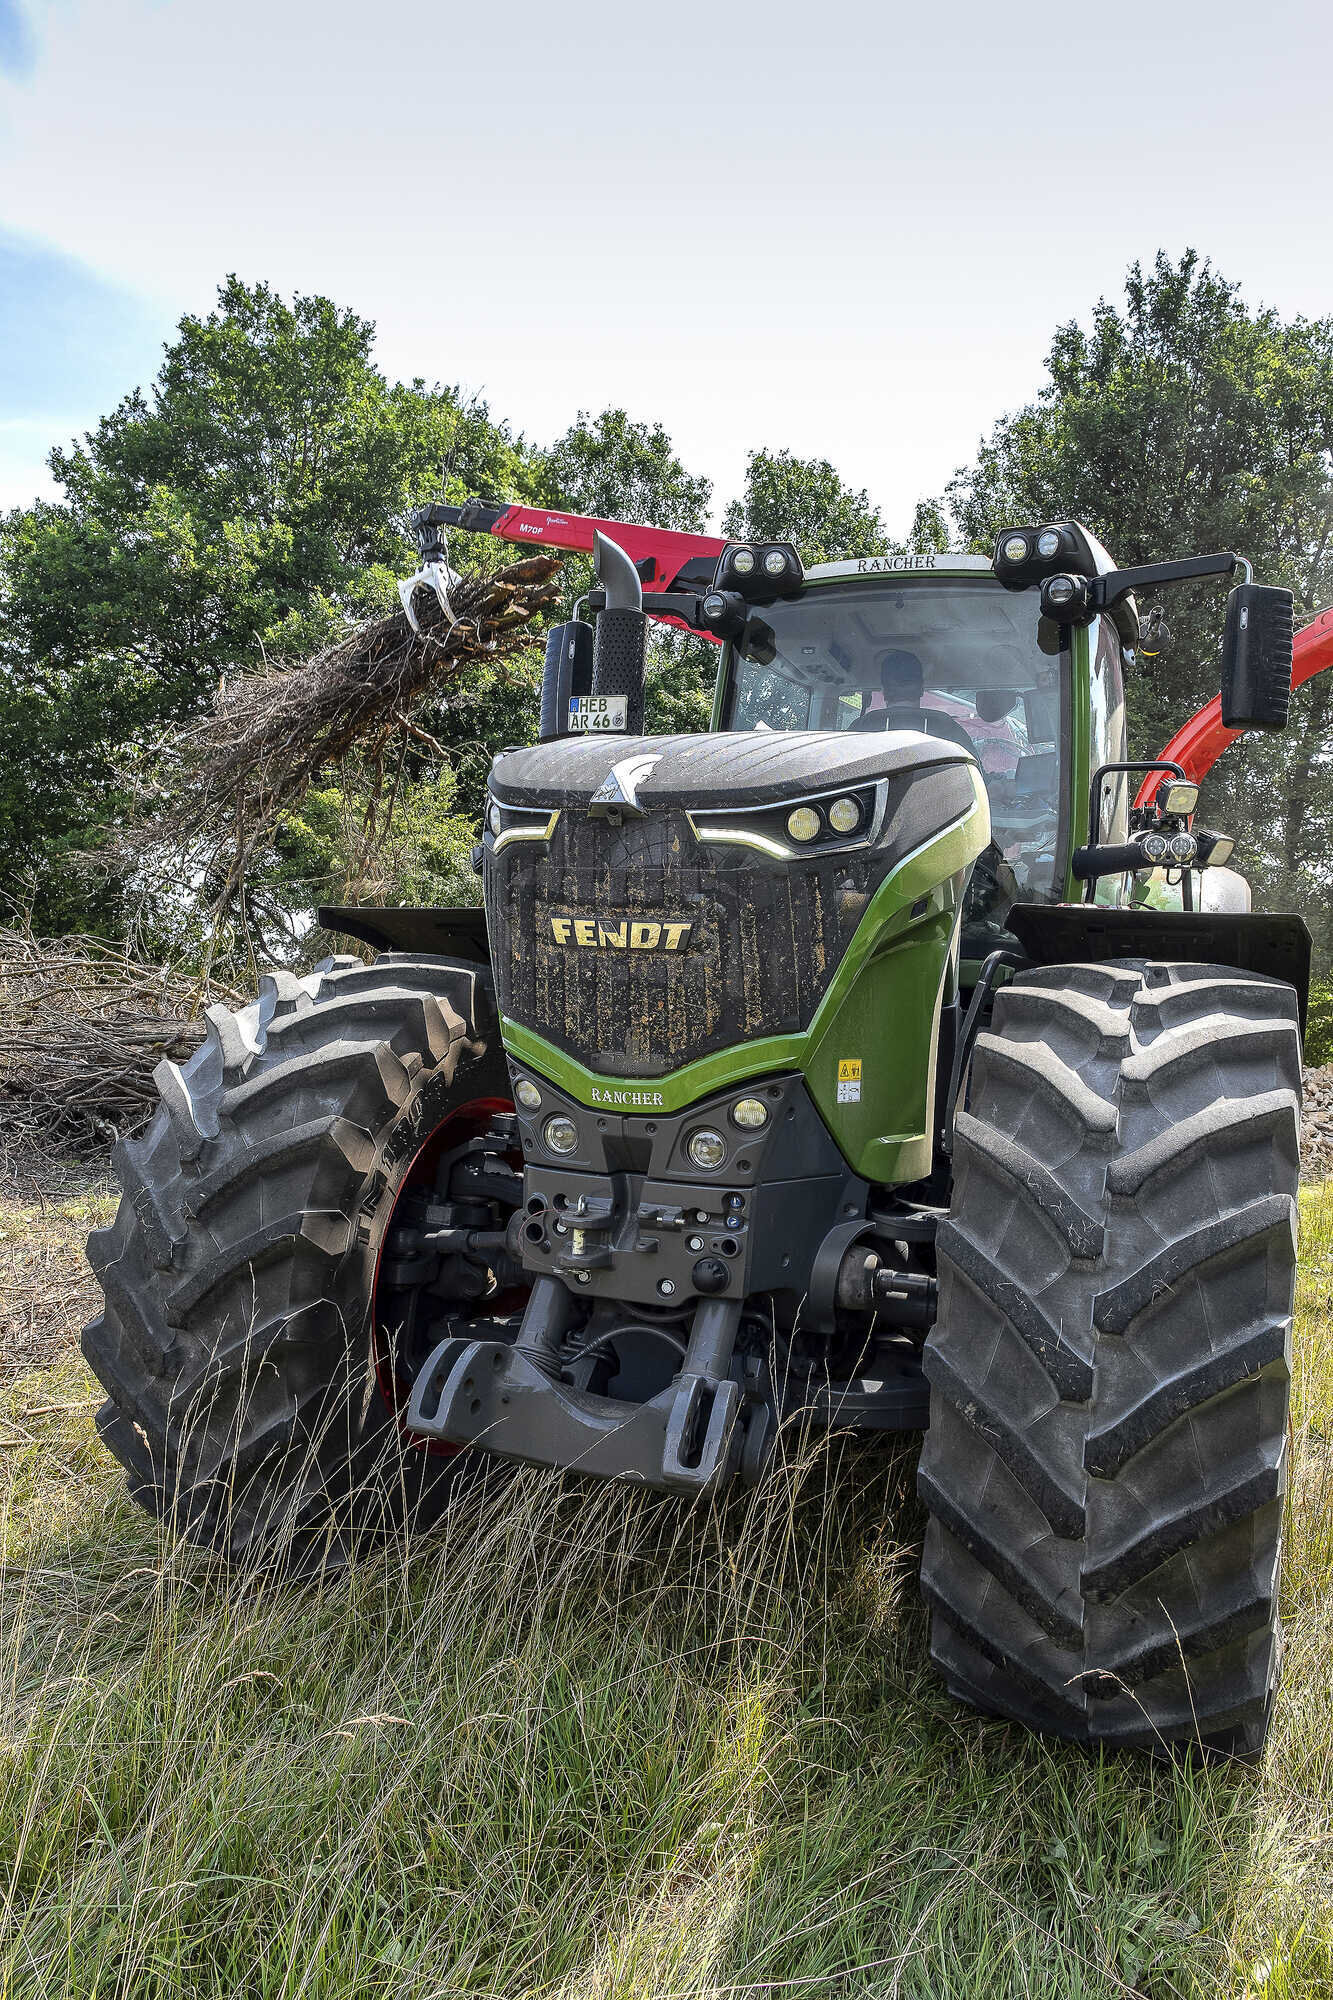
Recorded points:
(1257, 657)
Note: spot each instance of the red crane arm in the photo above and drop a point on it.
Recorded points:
(663, 556)
(1198, 743)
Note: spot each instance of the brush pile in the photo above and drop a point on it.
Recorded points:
(82, 1026)
(217, 787)
(1317, 1125)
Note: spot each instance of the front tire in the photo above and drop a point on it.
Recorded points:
(1106, 1460)
(246, 1397)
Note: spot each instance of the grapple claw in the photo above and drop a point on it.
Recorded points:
(434, 572)
(439, 578)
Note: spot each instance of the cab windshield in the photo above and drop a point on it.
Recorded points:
(965, 661)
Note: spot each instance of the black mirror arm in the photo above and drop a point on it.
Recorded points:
(1105, 771)
(1107, 590)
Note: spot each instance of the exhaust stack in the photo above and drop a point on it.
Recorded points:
(621, 635)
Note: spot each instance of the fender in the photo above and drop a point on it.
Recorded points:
(1070, 933)
(433, 933)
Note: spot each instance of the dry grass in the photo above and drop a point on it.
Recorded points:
(46, 1289)
(588, 1744)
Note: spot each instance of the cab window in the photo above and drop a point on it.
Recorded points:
(961, 659)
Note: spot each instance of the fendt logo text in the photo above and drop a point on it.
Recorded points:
(599, 935)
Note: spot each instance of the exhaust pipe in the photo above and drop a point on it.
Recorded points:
(622, 632)
(601, 661)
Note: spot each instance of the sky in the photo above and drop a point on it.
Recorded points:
(848, 230)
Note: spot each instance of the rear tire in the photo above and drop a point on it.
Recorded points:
(1106, 1460)
(235, 1343)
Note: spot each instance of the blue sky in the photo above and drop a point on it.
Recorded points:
(16, 41)
(848, 229)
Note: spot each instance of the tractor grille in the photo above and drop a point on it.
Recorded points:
(762, 946)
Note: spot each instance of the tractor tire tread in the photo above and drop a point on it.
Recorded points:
(236, 1274)
(1106, 1464)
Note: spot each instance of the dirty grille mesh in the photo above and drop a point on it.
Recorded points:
(764, 942)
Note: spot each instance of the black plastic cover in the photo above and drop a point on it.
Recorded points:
(568, 671)
(1070, 933)
(1257, 657)
(617, 661)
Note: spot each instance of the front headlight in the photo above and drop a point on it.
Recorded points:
(838, 820)
(707, 1149)
(560, 1134)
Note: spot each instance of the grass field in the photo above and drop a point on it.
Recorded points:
(585, 1744)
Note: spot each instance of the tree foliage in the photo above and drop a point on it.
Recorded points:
(244, 507)
(253, 500)
(613, 467)
(1178, 422)
(805, 501)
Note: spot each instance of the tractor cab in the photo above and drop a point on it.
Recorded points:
(936, 645)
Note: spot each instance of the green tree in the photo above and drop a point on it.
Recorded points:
(243, 508)
(1319, 1024)
(929, 533)
(1180, 421)
(626, 471)
(804, 500)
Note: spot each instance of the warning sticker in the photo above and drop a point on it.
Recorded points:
(849, 1080)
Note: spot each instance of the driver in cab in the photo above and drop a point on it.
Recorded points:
(988, 732)
(902, 680)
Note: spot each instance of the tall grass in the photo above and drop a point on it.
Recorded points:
(584, 1742)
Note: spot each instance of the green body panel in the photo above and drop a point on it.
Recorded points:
(888, 1024)
(1077, 760)
(881, 1010)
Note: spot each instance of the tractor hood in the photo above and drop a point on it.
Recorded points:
(749, 768)
(654, 899)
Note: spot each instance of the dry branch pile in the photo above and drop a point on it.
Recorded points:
(82, 1027)
(218, 787)
(1317, 1126)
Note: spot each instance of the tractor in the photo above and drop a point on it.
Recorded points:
(828, 1066)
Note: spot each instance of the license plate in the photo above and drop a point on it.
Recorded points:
(588, 712)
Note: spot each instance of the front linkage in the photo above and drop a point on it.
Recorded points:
(647, 1257)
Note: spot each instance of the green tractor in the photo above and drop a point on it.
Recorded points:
(825, 1066)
